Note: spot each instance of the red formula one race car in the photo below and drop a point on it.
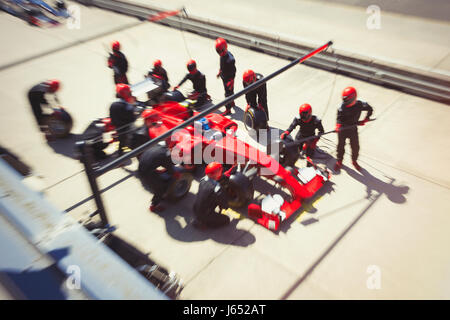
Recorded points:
(213, 138)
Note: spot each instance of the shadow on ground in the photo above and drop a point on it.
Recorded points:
(374, 188)
(41, 284)
(179, 218)
(394, 193)
(66, 146)
(179, 225)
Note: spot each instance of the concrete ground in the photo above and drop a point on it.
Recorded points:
(379, 234)
(411, 33)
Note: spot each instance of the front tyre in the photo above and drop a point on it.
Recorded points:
(239, 190)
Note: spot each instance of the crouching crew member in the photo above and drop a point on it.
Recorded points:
(308, 124)
(210, 196)
(348, 115)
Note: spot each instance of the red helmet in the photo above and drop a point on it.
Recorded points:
(115, 46)
(305, 112)
(214, 170)
(192, 66)
(249, 76)
(349, 96)
(123, 91)
(53, 85)
(157, 64)
(221, 46)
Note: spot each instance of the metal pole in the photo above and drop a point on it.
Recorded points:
(202, 114)
(86, 158)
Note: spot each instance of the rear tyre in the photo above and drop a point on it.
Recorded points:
(180, 187)
(240, 190)
(159, 178)
(139, 137)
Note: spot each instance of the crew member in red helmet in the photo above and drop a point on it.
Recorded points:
(118, 62)
(256, 98)
(348, 115)
(122, 113)
(227, 71)
(36, 96)
(308, 124)
(211, 199)
(198, 80)
(159, 72)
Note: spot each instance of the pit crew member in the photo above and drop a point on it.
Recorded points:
(348, 114)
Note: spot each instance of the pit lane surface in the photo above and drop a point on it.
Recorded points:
(393, 216)
(406, 30)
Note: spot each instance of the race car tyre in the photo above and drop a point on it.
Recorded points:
(288, 153)
(255, 119)
(139, 137)
(59, 123)
(174, 95)
(239, 189)
(180, 186)
(159, 179)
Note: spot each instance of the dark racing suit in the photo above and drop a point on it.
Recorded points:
(307, 129)
(227, 74)
(156, 182)
(210, 195)
(258, 97)
(198, 80)
(348, 116)
(118, 62)
(160, 73)
(122, 116)
(36, 96)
